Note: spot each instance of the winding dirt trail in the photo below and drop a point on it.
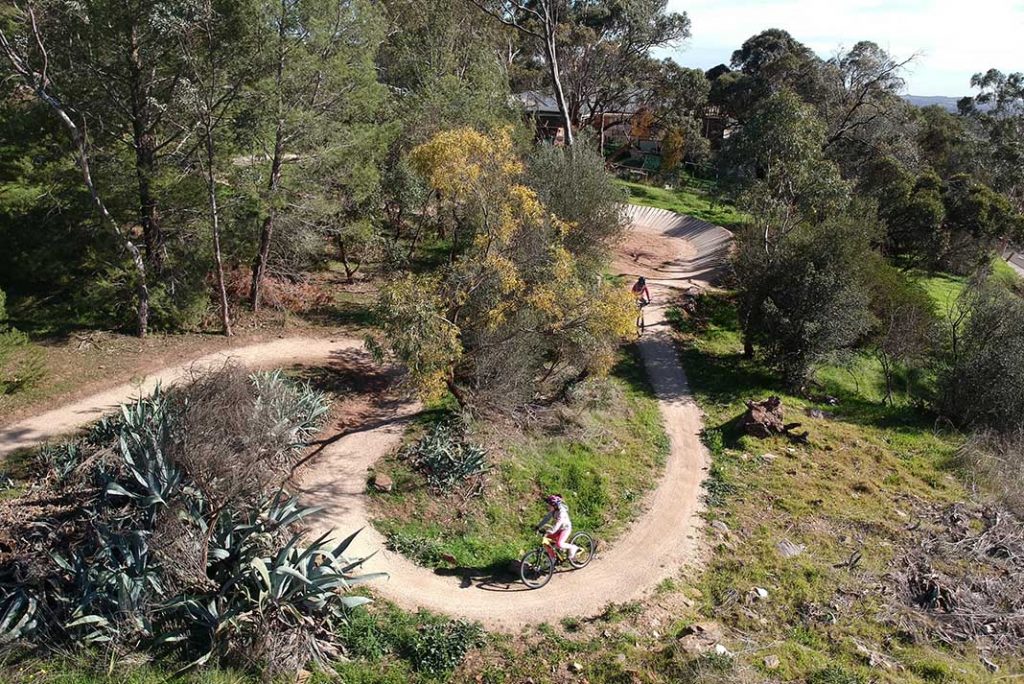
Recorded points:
(674, 252)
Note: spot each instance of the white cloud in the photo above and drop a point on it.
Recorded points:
(953, 39)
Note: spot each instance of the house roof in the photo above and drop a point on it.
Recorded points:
(537, 103)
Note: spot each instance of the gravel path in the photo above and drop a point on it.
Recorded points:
(664, 539)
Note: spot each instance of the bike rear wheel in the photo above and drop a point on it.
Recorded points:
(536, 568)
(586, 552)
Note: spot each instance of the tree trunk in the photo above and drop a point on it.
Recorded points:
(460, 396)
(39, 82)
(82, 150)
(225, 312)
(144, 142)
(259, 264)
(550, 50)
(350, 269)
(748, 344)
(887, 371)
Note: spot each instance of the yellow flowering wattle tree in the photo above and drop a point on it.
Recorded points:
(514, 314)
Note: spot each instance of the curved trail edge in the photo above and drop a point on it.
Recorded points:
(662, 540)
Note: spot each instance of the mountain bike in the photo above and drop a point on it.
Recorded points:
(640, 323)
(537, 566)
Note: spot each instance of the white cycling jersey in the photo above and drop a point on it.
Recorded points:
(560, 516)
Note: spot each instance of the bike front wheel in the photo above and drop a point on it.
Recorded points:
(536, 568)
(586, 553)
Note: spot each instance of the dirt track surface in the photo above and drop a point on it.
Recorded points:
(664, 539)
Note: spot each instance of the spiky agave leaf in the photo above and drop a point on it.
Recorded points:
(18, 616)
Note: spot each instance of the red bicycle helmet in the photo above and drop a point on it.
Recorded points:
(554, 500)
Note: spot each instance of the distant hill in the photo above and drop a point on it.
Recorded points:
(947, 103)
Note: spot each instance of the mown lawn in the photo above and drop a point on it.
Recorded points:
(602, 450)
(692, 200)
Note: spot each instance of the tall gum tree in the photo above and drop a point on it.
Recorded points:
(321, 89)
(119, 63)
(29, 61)
(540, 20)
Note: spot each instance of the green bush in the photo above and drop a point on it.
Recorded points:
(444, 458)
(110, 300)
(577, 188)
(438, 648)
(807, 302)
(981, 387)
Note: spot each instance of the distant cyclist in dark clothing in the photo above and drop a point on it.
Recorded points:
(643, 298)
(640, 291)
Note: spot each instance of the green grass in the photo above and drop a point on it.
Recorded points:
(943, 288)
(853, 489)
(100, 669)
(1005, 273)
(690, 200)
(383, 644)
(601, 451)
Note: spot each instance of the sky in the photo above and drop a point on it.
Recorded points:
(951, 38)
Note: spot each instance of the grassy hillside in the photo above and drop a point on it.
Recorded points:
(847, 498)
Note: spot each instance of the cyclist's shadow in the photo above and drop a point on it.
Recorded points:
(498, 576)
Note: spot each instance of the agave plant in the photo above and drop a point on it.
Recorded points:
(18, 615)
(60, 459)
(116, 588)
(444, 458)
(236, 538)
(295, 589)
(143, 438)
(300, 410)
(248, 589)
(104, 430)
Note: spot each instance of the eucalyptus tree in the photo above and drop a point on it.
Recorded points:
(864, 111)
(539, 20)
(597, 54)
(766, 64)
(217, 43)
(25, 48)
(778, 171)
(999, 109)
(606, 56)
(318, 105)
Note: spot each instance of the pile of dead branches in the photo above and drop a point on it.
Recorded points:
(963, 579)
